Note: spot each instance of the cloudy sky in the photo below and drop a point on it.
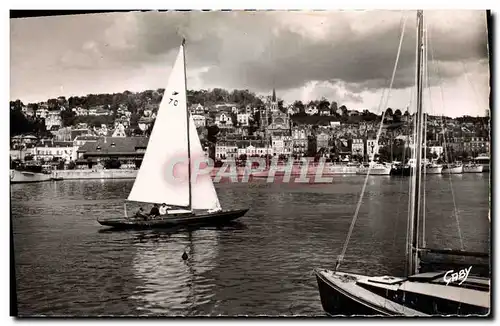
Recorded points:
(345, 56)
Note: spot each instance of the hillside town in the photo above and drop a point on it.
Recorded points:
(111, 131)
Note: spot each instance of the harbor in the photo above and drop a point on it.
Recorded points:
(135, 273)
(336, 190)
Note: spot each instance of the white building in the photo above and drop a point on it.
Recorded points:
(311, 110)
(282, 145)
(251, 150)
(53, 118)
(243, 119)
(223, 120)
(47, 153)
(119, 131)
(358, 147)
(225, 150)
(80, 111)
(199, 120)
(42, 113)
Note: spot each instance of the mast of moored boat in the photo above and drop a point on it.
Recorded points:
(187, 122)
(413, 259)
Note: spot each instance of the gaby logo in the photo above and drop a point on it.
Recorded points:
(461, 275)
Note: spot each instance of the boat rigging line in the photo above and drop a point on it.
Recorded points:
(455, 210)
(358, 206)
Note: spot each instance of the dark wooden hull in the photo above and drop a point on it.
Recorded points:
(216, 218)
(337, 302)
(401, 171)
(419, 295)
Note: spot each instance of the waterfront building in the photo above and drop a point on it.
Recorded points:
(358, 147)
(372, 148)
(225, 150)
(281, 145)
(127, 150)
(55, 150)
(322, 139)
(300, 140)
(82, 140)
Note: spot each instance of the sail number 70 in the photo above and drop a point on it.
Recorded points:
(175, 102)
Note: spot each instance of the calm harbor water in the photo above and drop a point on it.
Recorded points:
(67, 264)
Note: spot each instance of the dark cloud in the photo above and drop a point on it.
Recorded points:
(346, 53)
(257, 51)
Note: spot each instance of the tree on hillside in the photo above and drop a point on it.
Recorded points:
(19, 124)
(280, 105)
(68, 118)
(212, 132)
(333, 108)
(323, 104)
(344, 110)
(299, 106)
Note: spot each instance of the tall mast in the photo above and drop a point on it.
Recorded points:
(413, 261)
(187, 118)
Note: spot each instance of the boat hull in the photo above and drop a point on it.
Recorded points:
(425, 294)
(28, 177)
(216, 218)
(433, 170)
(473, 169)
(336, 302)
(401, 171)
(374, 171)
(453, 170)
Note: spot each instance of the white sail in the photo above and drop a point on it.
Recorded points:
(204, 195)
(163, 177)
(167, 144)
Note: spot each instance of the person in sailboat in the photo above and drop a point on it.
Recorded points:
(140, 214)
(154, 211)
(163, 209)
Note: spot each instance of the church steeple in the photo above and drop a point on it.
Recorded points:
(274, 96)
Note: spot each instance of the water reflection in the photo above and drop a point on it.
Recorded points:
(66, 263)
(170, 285)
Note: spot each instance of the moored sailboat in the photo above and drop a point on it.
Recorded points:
(433, 168)
(472, 168)
(454, 168)
(374, 168)
(416, 294)
(167, 173)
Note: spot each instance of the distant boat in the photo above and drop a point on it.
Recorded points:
(454, 168)
(433, 168)
(415, 294)
(174, 142)
(483, 160)
(473, 168)
(374, 168)
(29, 173)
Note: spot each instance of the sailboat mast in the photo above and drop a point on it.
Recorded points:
(413, 261)
(187, 122)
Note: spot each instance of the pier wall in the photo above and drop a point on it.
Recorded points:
(95, 174)
(239, 171)
(328, 169)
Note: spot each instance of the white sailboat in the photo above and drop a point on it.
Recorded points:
(171, 171)
(415, 294)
